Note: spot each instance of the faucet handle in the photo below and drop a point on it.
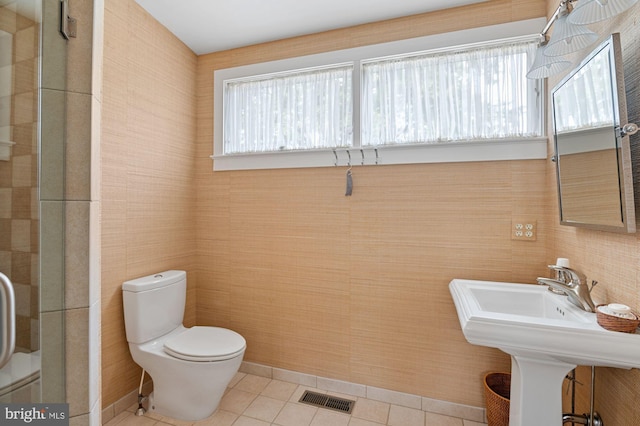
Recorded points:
(575, 276)
(593, 284)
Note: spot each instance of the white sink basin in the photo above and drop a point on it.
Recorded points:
(545, 334)
(524, 318)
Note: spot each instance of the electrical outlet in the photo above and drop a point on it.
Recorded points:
(524, 230)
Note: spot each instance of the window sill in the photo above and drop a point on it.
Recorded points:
(529, 149)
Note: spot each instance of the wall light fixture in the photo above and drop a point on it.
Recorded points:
(570, 35)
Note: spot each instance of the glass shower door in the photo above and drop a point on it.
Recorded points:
(19, 191)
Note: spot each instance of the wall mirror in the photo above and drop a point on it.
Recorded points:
(592, 152)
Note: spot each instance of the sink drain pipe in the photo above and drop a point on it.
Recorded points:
(591, 419)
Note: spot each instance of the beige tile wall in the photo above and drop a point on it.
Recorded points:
(148, 170)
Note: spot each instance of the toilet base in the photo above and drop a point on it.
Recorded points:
(184, 390)
(185, 399)
(180, 412)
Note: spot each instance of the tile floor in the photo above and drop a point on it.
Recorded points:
(258, 401)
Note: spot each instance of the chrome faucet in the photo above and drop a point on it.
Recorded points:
(573, 284)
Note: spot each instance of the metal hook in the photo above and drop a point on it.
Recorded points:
(335, 155)
(376, 151)
(349, 162)
(362, 154)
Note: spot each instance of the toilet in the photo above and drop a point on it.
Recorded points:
(190, 367)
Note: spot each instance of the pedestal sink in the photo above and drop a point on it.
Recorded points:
(546, 336)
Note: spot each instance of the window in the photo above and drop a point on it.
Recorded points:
(452, 101)
(462, 95)
(300, 110)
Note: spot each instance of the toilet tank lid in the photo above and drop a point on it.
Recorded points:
(151, 282)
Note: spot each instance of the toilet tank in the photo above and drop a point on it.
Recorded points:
(153, 305)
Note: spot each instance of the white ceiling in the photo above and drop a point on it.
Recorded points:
(213, 25)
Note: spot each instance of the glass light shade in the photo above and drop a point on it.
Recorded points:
(545, 66)
(590, 11)
(568, 38)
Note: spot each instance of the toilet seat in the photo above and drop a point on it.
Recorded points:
(205, 344)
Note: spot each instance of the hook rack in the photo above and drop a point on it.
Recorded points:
(349, 160)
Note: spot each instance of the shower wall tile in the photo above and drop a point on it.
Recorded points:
(21, 203)
(35, 301)
(22, 299)
(52, 255)
(5, 172)
(35, 210)
(76, 55)
(77, 339)
(82, 358)
(97, 50)
(53, 369)
(20, 235)
(71, 142)
(80, 420)
(95, 260)
(35, 334)
(53, 149)
(5, 203)
(78, 147)
(77, 265)
(54, 47)
(35, 271)
(95, 191)
(23, 110)
(8, 22)
(21, 170)
(79, 50)
(94, 355)
(25, 75)
(5, 229)
(21, 268)
(35, 235)
(5, 260)
(25, 43)
(26, 135)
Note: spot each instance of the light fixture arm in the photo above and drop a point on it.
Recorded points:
(562, 8)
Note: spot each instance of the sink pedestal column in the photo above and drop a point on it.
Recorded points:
(536, 391)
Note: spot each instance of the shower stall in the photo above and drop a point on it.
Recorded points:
(24, 242)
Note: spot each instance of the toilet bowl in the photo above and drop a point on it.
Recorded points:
(190, 367)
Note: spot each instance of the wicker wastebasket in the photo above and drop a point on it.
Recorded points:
(497, 391)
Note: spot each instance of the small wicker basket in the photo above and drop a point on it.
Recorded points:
(614, 323)
(497, 391)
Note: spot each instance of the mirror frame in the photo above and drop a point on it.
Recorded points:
(622, 143)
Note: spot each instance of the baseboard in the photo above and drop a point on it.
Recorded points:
(467, 412)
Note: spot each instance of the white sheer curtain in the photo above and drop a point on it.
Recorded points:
(474, 94)
(297, 111)
(584, 101)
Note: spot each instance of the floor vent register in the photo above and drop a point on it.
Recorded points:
(327, 401)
